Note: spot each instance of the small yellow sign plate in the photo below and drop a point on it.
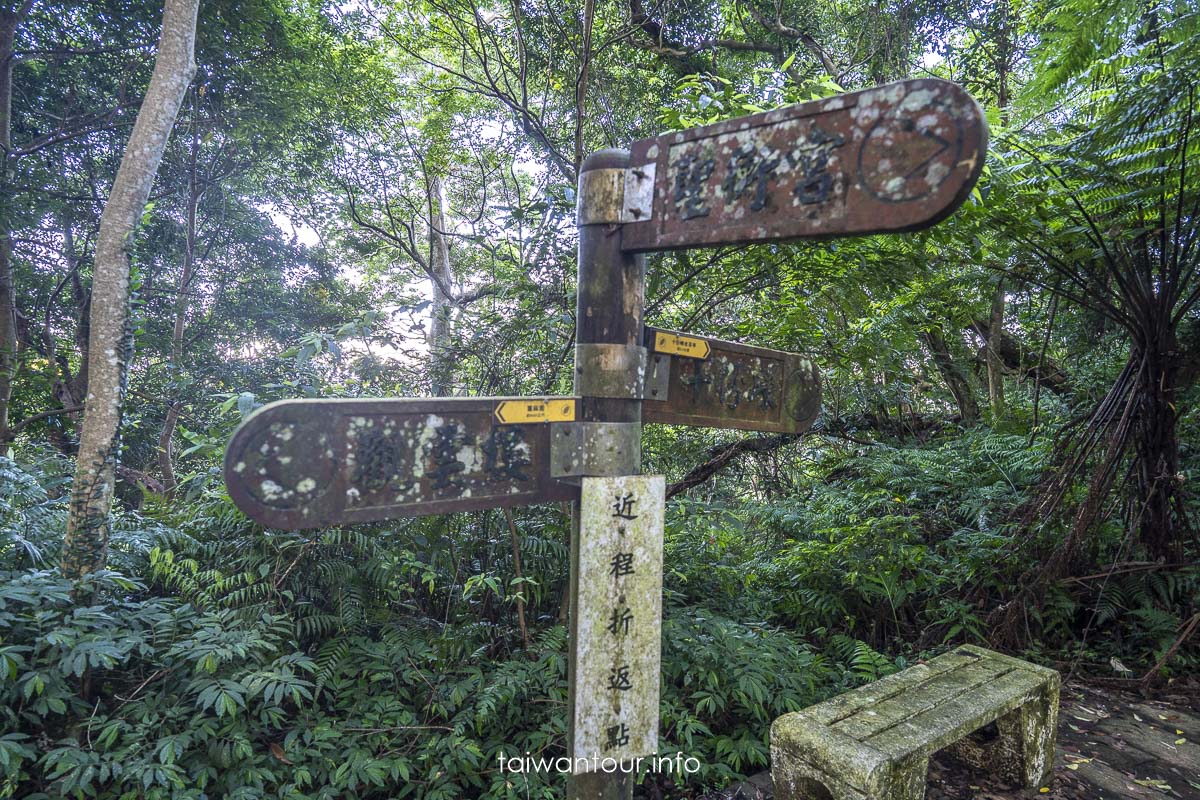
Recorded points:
(678, 345)
(536, 409)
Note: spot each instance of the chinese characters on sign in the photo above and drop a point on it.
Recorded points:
(892, 158)
(806, 172)
(620, 617)
(729, 386)
(306, 463)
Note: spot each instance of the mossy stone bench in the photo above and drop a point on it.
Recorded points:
(874, 743)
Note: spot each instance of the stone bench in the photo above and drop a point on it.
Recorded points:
(874, 743)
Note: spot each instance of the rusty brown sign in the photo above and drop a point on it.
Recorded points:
(734, 386)
(308, 463)
(895, 158)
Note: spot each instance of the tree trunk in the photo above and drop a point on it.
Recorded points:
(438, 339)
(166, 458)
(995, 363)
(85, 549)
(953, 375)
(1158, 516)
(9, 20)
(581, 82)
(1025, 360)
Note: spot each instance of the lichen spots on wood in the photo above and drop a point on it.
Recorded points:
(856, 164)
(317, 464)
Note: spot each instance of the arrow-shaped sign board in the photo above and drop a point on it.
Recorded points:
(895, 158)
(308, 463)
(716, 384)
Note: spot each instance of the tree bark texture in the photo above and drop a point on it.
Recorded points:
(1160, 516)
(85, 549)
(995, 364)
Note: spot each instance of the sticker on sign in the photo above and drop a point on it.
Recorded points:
(678, 344)
(536, 409)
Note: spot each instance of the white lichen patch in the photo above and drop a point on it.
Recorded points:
(470, 457)
(917, 100)
(936, 173)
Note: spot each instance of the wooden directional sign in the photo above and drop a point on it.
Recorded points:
(733, 386)
(308, 463)
(895, 158)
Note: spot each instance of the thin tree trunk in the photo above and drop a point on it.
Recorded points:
(166, 459)
(953, 375)
(516, 552)
(438, 340)
(85, 549)
(9, 20)
(581, 82)
(995, 363)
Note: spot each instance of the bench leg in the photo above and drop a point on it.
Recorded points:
(799, 781)
(1027, 737)
(906, 780)
(1023, 751)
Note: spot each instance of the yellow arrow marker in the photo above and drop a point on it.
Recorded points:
(677, 345)
(536, 409)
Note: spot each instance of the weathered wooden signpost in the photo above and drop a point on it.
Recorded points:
(896, 158)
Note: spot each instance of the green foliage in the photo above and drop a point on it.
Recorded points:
(221, 659)
(248, 664)
(724, 682)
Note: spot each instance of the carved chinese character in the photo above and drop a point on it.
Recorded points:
(811, 157)
(621, 564)
(697, 380)
(447, 441)
(691, 173)
(620, 619)
(616, 736)
(763, 388)
(618, 678)
(376, 460)
(729, 390)
(748, 167)
(623, 508)
(504, 454)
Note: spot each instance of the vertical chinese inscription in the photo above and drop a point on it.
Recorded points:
(620, 618)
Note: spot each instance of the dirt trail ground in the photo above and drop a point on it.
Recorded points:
(1111, 744)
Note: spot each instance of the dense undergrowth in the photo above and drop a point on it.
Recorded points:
(217, 659)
